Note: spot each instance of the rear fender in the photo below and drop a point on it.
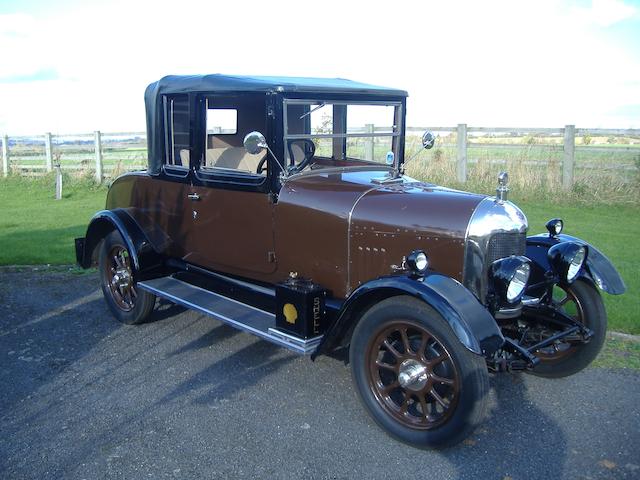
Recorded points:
(143, 256)
(470, 321)
(598, 268)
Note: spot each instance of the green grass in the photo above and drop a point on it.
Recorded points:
(37, 229)
(619, 353)
(614, 230)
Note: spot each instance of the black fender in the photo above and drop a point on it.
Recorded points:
(598, 268)
(144, 258)
(471, 322)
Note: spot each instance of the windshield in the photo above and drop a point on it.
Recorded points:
(341, 133)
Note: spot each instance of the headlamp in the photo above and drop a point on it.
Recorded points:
(509, 277)
(567, 259)
(555, 226)
(418, 262)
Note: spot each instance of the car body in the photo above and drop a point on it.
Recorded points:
(280, 206)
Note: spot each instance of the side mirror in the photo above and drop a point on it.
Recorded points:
(428, 140)
(254, 142)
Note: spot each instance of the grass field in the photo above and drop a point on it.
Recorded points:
(37, 229)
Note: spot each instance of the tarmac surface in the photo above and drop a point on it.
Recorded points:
(82, 396)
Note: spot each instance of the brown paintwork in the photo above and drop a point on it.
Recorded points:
(392, 221)
(314, 238)
(334, 226)
(232, 231)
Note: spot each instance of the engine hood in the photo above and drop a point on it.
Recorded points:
(389, 222)
(364, 227)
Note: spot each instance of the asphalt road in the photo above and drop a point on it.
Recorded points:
(82, 396)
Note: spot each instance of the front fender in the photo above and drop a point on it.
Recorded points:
(143, 256)
(470, 321)
(598, 268)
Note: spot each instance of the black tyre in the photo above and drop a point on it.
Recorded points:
(581, 301)
(414, 377)
(127, 303)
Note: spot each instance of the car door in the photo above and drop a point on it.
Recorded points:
(229, 202)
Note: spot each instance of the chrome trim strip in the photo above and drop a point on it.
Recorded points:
(300, 346)
(233, 300)
(301, 136)
(349, 217)
(530, 301)
(307, 346)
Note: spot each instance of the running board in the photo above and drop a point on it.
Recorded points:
(237, 314)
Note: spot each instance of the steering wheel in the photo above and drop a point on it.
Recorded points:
(309, 149)
(261, 165)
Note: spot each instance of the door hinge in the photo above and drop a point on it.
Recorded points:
(271, 257)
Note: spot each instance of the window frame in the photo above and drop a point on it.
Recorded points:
(180, 171)
(221, 177)
(396, 135)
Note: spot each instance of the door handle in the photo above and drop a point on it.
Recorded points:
(193, 196)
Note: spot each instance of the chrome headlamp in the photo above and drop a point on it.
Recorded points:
(555, 226)
(418, 262)
(567, 259)
(509, 277)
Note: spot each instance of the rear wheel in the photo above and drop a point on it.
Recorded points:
(581, 301)
(413, 375)
(127, 303)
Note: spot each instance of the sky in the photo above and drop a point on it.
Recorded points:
(75, 66)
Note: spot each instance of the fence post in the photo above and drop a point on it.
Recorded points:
(569, 156)
(98, 148)
(58, 182)
(462, 153)
(368, 142)
(47, 149)
(5, 155)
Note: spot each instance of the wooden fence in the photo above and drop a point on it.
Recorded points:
(569, 134)
(92, 149)
(85, 151)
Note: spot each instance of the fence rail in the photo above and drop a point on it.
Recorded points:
(105, 154)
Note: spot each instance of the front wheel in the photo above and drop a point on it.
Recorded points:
(127, 303)
(415, 378)
(581, 301)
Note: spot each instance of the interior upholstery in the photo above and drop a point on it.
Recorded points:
(236, 158)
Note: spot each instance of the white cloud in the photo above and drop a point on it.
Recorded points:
(605, 13)
(484, 63)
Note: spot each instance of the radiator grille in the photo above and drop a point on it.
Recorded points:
(505, 244)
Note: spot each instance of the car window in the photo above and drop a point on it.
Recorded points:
(229, 119)
(178, 134)
(344, 132)
(222, 121)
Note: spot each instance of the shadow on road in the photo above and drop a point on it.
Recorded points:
(496, 450)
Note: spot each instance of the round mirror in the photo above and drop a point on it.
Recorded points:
(428, 140)
(254, 142)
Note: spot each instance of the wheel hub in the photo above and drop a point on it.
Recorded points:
(122, 278)
(413, 375)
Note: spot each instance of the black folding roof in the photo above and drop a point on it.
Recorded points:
(216, 83)
(236, 83)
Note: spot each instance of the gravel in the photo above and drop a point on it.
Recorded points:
(83, 396)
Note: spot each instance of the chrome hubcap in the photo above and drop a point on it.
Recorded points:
(119, 278)
(413, 375)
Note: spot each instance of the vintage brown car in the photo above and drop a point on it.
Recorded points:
(280, 206)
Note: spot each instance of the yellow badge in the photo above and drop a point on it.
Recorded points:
(290, 313)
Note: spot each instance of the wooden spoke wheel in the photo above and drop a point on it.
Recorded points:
(581, 301)
(414, 376)
(126, 302)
